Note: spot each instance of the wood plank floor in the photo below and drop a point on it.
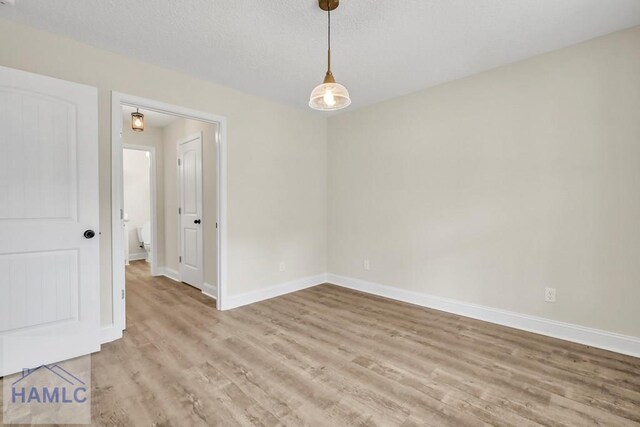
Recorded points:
(335, 357)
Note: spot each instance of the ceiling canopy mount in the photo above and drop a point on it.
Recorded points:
(328, 5)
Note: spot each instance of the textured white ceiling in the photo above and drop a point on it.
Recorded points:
(151, 118)
(276, 49)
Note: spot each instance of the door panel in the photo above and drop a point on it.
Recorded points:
(26, 301)
(190, 257)
(37, 180)
(190, 180)
(190, 189)
(49, 292)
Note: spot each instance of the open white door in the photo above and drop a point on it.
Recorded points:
(49, 249)
(190, 210)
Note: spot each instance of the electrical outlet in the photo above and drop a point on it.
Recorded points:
(550, 294)
(283, 266)
(367, 264)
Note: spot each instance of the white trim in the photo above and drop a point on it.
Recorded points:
(118, 282)
(209, 290)
(110, 333)
(137, 256)
(593, 337)
(154, 213)
(234, 301)
(117, 203)
(169, 273)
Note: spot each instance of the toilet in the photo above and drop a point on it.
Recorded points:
(144, 237)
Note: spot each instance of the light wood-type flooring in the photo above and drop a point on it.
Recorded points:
(328, 356)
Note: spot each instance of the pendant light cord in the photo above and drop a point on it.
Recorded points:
(329, 39)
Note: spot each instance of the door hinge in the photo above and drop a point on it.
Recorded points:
(179, 211)
(122, 293)
(179, 162)
(216, 225)
(121, 213)
(179, 259)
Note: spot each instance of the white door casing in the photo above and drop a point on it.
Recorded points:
(49, 271)
(190, 210)
(118, 99)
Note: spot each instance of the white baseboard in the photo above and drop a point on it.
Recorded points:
(210, 290)
(110, 333)
(169, 273)
(592, 337)
(207, 289)
(137, 256)
(579, 334)
(234, 301)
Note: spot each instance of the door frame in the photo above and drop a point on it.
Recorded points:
(153, 197)
(179, 199)
(119, 99)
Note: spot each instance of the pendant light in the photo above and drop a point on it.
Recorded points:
(137, 121)
(329, 96)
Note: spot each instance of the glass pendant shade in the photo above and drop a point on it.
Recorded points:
(329, 96)
(137, 121)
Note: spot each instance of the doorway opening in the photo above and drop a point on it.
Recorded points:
(168, 197)
(140, 204)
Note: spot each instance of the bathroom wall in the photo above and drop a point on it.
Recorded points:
(137, 196)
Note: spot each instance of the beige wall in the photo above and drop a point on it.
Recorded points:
(491, 188)
(271, 216)
(137, 194)
(486, 189)
(176, 131)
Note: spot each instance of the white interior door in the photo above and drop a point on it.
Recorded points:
(49, 283)
(190, 210)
